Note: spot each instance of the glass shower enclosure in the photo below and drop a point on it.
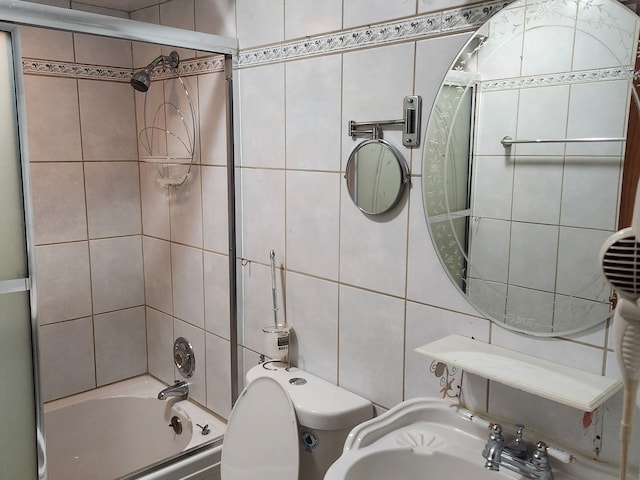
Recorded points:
(18, 456)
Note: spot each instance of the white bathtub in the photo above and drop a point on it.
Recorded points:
(114, 430)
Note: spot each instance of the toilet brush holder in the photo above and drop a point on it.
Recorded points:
(276, 342)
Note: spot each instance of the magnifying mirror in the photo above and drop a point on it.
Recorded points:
(376, 176)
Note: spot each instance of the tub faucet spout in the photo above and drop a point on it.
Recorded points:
(178, 389)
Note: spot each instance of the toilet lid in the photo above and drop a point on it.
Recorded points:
(261, 440)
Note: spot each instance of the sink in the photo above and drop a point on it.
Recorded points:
(432, 439)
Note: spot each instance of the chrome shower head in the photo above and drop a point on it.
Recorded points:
(141, 80)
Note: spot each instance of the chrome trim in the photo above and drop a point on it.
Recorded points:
(15, 285)
(38, 15)
(16, 12)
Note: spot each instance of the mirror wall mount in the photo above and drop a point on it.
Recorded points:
(412, 108)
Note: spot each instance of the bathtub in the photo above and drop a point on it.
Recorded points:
(112, 431)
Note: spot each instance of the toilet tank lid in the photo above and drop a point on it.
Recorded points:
(318, 403)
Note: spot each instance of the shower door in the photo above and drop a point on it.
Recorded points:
(18, 456)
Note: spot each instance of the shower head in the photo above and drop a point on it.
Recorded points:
(141, 80)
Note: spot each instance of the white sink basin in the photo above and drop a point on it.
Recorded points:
(432, 439)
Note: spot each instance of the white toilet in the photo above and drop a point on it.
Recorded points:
(288, 425)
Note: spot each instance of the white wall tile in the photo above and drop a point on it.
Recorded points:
(573, 354)
(590, 192)
(121, 345)
(364, 12)
(262, 115)
(259, 23)
(188, 284)
(537, 189)
(213, 116)
(489, 244)
(215, 209)
(497, 116)
(304, 18)
(54, 120)
(313, 107)
(218, 17)
(218, 371)
(107, 113)
(492, 191)
(216, 294)
(371, 340)
(313, 223)
(372, 93)
(537, 57)
(425, 6)
(533, 255)
(186, 210)
(505, 38)
(530, 309)
(116, 273)
(144, 53)
(373, 254)
(113, 199)
(94, 50)
(46, 43)
(263, 220)
(594, 111)
(157, 274)
(179, 14)
(579, 263)
(63, 279)
(58, 202)
(160, 345)
(612, 42)
(66, 358)
(312, 312)
(154, 203)
(542, 113)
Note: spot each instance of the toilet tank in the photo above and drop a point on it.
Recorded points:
(326, 414)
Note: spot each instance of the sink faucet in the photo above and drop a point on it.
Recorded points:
(178, 389)
(514, 456)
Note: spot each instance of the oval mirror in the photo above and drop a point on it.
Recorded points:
(376, 176)
(518, 223)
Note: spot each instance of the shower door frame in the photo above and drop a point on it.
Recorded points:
(14, 13)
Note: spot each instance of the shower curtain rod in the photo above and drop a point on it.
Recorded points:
(508, 141)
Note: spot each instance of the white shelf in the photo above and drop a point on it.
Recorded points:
(567, 385)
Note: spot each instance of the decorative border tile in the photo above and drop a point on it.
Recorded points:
(411, 29)
(565, 78)
(196, 66)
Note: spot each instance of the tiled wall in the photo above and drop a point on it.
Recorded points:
(125, 265)
(86, 200)
(362, 293)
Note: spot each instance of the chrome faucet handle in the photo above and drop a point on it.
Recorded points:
(493, 448)
(540, 457)
(496, 432)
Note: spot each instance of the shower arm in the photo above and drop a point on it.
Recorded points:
(172, 60)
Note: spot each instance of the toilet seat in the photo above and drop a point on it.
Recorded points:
(261, 440)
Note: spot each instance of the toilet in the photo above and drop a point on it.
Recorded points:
(288, 425)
